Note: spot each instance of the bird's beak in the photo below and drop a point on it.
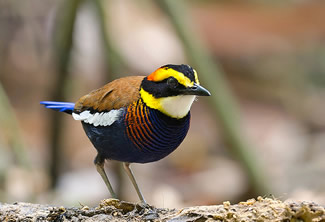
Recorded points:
(196, 90)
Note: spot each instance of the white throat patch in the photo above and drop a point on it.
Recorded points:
(177, 106)
(98, 119)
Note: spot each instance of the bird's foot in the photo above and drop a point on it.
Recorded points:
(149, 212)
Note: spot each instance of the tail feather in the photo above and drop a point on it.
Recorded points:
(59, 106)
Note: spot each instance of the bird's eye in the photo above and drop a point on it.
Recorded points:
(172, 82)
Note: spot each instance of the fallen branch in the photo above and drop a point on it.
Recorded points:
(262, 209)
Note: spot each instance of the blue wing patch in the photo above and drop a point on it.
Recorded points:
(59, 106)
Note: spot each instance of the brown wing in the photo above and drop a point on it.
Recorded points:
(114, 95)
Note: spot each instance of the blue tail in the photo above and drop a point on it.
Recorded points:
(59, 106)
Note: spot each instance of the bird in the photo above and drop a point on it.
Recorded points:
(137, 119)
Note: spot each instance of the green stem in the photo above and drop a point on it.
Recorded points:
(10, 124)
(115, 61)
(222, 100)
(62, 45)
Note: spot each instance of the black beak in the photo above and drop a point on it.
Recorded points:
(196, 90)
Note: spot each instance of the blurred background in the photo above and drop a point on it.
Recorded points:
(262, 132)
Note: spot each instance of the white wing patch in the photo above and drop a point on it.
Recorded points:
(98, 119)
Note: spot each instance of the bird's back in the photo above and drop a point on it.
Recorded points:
(114, 95)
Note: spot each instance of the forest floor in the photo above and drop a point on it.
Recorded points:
(260, 209)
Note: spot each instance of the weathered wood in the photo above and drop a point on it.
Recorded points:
(262, 209)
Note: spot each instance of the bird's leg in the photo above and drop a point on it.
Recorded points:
(99, 162)
(134, 182)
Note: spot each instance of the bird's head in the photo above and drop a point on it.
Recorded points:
(172, 89)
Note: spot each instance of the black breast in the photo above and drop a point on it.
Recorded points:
(142, 135)
(154, 133)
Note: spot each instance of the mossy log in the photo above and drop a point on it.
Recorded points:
(262, 209)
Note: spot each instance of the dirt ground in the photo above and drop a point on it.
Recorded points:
(262, 209)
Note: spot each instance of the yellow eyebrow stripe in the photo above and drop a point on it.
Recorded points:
(196, 77)
(164, 73)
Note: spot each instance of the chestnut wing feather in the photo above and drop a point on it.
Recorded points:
(114, 95)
